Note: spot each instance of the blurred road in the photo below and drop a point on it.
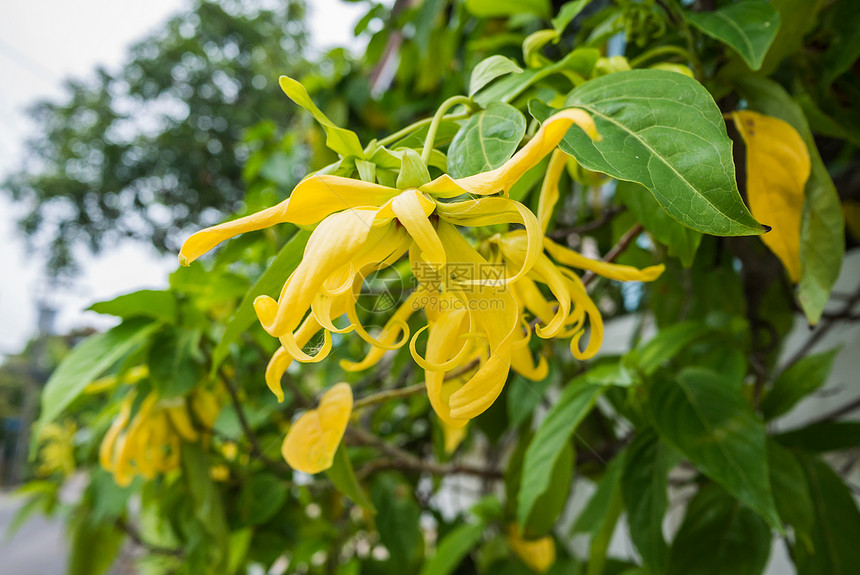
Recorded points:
(38, 548)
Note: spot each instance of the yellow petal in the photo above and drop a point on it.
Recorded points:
(313, 439)
(537, 554)
(107, 449)
(489, 211)
(204, 240)
(549, 190)
(442, 343)
(523, 363)
(393, 328)
(595, 321)
(411, 207)
(503, 178)
(778, 166)
(332, 245)
(317, 197)
(568, 257)
(182, 423)
(453, 436)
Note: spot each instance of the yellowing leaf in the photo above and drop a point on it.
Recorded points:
(313, 439)
(778, 166)
(538, 555)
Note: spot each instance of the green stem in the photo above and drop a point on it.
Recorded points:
(678, 14)
(437, 120)
(660, 51)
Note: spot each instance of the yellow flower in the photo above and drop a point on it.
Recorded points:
(566, 316)
(150, 442)
(362, 227)
(538, 554)
(57, 453)
(313, 439)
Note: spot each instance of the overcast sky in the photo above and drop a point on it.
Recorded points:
(42, 42)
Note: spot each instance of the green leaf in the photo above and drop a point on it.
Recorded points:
(158, 305)
(601, 515)
(790, 491)
(397, 519)
(453, 548)
(172, 367)
(644, 489)
(261, 498)
(87, 361)
(663, 130)
(489, 69)
(668, 343)
(341, 140)
(574, 403)
(567, 13)
(823, 436)
(497, 8)
(269, 283)
(94, 545)
(343, 477)
(796, 382)
(796, 18)
(836, 527)
(822, 235)
(681, 241)
(749, 27)
(486, 141)
(523, 396)
(718, 536)
(707, 419)
(550, 504)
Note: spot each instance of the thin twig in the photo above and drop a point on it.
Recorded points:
(607, 216)
(138, 540)
(827, 323)
(397, 458)
(616, 251)
(280, 468)
(387, 395)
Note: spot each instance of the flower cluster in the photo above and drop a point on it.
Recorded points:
(478, 325)
(149, 442)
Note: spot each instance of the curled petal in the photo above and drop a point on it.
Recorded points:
(568, 257)
(288, 342)
(503, 178)
(523, 363)
(314, 438)
(549, 189)
(489, 211)
(411, 209)
(595, 320)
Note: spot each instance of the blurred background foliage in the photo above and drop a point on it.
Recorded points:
(194, 129)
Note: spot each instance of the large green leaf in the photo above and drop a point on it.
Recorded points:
(836, 528)
(668, 343)
(790, 490)
(663, 130)
(160, 305)
(269, 283)
(796, 18)
(397, 519)
(172, 367)
(343, 477)
(823, 436)
(453, 548)
(796, 382)
(486, 141)
(719, 536)
(550, 504)
(644, 489)
(262, 496)
(749, 27)
(707, 419)
(681, 241)
(601, 514)
(87, 361)
(822, 235)
(554, 433)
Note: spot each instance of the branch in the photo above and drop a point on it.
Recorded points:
(617, 250)
(827, 323)
(278, 467)
(606, 217)
(138, 540)
(400, 459)
(388, 394)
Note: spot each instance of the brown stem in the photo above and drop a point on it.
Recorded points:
(617, 250)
